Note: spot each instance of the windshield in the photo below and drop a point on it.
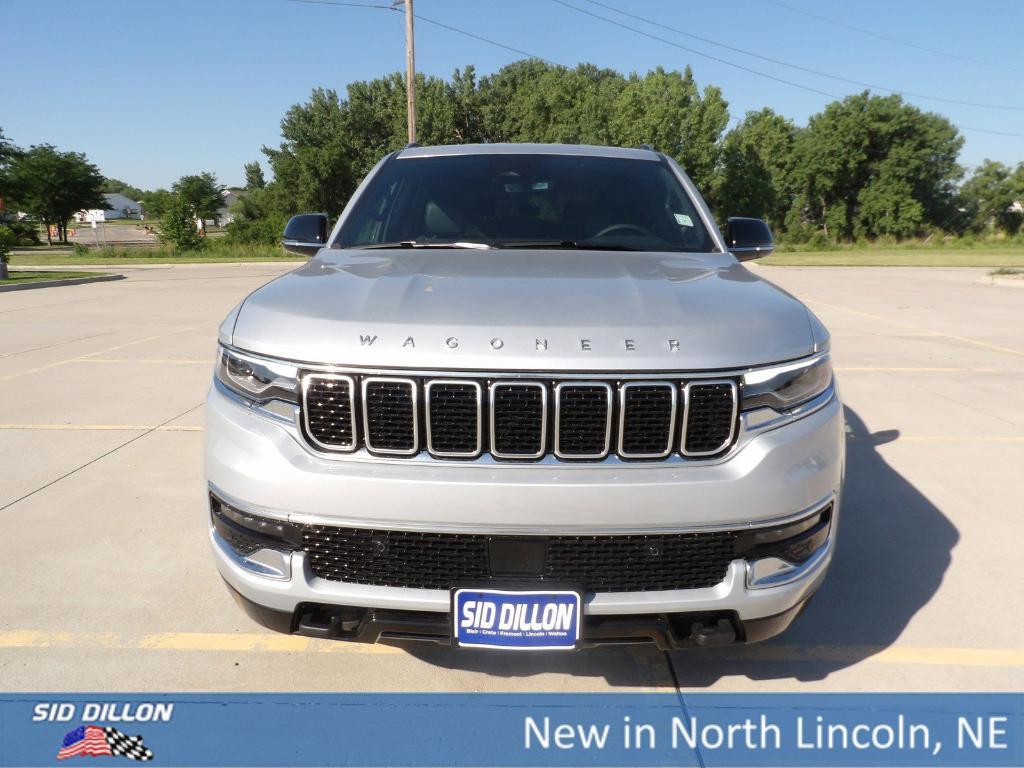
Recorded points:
(536, 201)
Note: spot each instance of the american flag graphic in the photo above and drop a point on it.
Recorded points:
(95, 741)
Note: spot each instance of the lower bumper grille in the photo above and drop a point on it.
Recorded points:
(595, 563)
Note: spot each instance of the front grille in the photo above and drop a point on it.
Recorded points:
(637, 563)
(583, 420)
(389, 410)
(710, 417)
(454, 418)
(520, 420)
(647, 419)
(328, 411)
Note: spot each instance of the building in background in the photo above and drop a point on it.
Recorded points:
(118, 207)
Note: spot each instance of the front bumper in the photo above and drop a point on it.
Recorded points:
(259, 465)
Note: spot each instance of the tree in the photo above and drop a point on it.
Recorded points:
(53, 186)
(199, 195)
(756, 163)
(254, 176)
(313, 165)
(873, 165)
(989, 197)
(119, 187)
(8, 153)
(668, 111)
(178, 225)
(156, 203)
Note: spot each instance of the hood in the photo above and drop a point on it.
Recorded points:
(480, 310)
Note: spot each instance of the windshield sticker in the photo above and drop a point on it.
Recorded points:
(683, 220)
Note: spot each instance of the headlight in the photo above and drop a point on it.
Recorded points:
(257, 379)
(786, 386)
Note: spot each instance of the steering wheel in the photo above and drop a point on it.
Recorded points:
(643, 231)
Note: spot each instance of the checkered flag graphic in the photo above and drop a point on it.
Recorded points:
(127, 746)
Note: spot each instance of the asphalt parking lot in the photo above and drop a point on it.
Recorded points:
(107, 582)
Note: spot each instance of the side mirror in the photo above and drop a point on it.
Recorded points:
(305, 234)
(748, 239)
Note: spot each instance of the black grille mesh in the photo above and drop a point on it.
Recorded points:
(709, 420)
(518, 419)
(454, 413)
(329, 411)
(647, 421)
(390, 411)
(583, 416)
(592, 563)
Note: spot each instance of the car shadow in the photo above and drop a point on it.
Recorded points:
(893, 548)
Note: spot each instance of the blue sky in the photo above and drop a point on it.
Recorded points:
(153, 89)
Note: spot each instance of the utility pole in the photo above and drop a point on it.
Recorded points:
(410, 72)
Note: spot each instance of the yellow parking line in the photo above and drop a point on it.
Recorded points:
(928, 331)
(107, 427)
(252, 642)
(234, 642)
(98, 352)
(903, 655)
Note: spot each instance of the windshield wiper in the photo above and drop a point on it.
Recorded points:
(581, 245)
(418, 244)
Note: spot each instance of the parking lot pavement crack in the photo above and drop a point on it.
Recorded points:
(102, 456)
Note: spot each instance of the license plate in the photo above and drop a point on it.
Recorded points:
(516, 620)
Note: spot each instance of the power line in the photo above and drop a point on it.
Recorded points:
(698, 53)
(807, 70)
(897, 41)
(420, 17)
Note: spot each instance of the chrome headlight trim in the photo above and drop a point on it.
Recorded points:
(257, 379)
(784, 387)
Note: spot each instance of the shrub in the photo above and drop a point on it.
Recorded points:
(178, 226)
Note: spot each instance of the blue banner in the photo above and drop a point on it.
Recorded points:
(513, 729)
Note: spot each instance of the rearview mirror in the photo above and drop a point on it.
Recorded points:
(747, 238)
(305, 234)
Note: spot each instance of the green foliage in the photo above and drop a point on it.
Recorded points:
(199, 195)
(119, 187)
(991, 197)
(756, 165)
(155, 203)
(24, 232)
(866, 167)
(53, 185)
(254, 176)
(178, 226)
(7, 241)
(256, 220)
(872, 166)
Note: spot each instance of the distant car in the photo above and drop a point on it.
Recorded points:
(524, 397)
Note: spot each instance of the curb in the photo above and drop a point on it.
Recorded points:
(53, 283)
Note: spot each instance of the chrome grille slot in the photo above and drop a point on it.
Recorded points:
(709, 417)
(647, 417)
(454, 418)
(328, 411)
(519, 419)
(390, 415)
(583, 420)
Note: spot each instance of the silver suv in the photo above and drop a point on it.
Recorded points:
(524, 397)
